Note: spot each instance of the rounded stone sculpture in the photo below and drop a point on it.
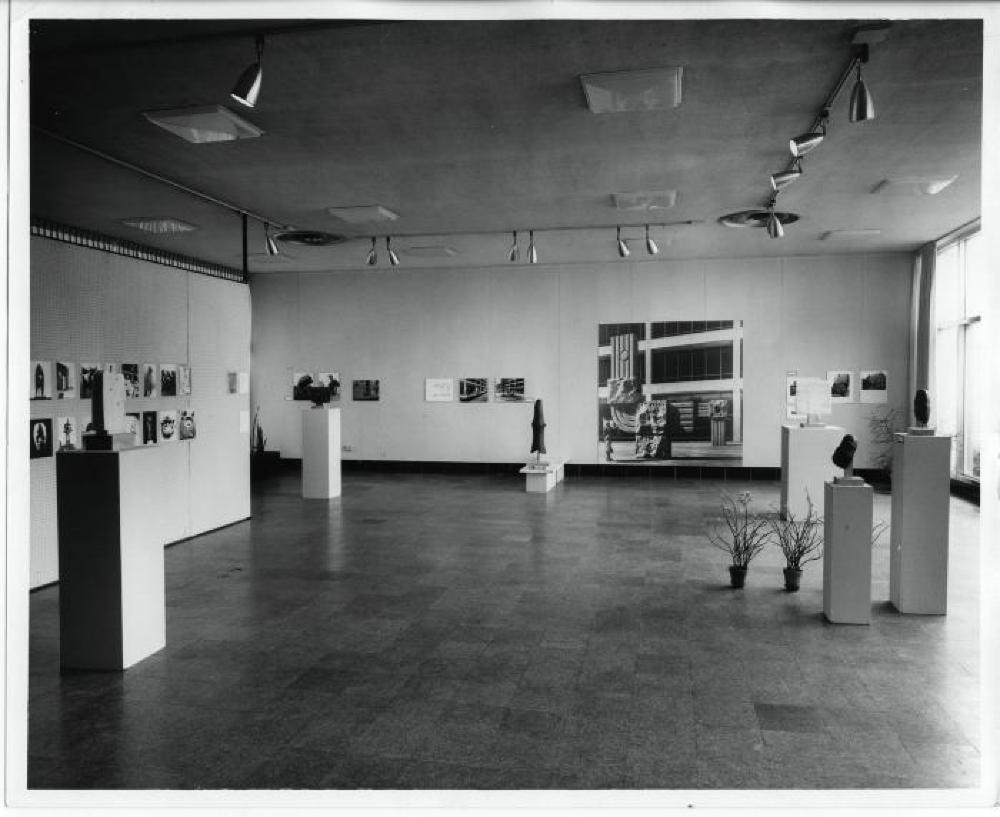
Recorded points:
(843, 455)
(538, 430)
(922, 408)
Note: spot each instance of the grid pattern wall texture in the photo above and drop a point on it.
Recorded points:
(94, 307)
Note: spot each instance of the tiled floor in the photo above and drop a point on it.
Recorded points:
(457, 632)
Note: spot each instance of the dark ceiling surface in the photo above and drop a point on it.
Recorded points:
(469, 130)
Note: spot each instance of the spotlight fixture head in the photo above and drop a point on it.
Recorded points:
(623, 250)
(247, 87)
(862, 108)
(779, 181)
(532, 250)
(804, 142)
(513, 253)
(372, 254)
(774, 228)
(651, 247)
(393, 258)
(272, 246)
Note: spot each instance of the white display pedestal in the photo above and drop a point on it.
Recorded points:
(112, 610)
(320, 453)
(847, 551)
(806, 465)
(542, 479)
(918, 544)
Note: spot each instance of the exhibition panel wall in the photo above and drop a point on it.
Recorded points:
(96, 307)
(806, 315)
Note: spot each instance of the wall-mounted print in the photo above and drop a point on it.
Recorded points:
(41, 438)
(685, 406)
(65, 380)
(168, 425)
(88, 371)
(41, 380)
(365, 389)
(791, 392)
(439, 390)
(183, 379)
(150, 380)
(187, 429)
(150, 424)
(168, 380)
(509, 389)
(331, 381)
(133, 425)
(473, 390)
(301, 382)
(874, 386)
(67, 434)
(841, 385)
(132, 386)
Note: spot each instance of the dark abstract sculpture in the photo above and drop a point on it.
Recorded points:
(538, 430)
(843, 455)
(922, 408)
(320, 395)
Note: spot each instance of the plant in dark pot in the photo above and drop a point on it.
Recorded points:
(800, 540)
(742, 534)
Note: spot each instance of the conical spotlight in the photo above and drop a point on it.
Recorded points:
(622, 246)
(774, 228)
(272, 247)
(372, 254)
(247, 87)
(393, 258)
(513, 253)
(862, 108)
(532, 251)
(651, 247)
(779, 181)
(804, 142)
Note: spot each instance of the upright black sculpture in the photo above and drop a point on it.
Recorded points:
(922, 408)
(843, 455)
(538, 431)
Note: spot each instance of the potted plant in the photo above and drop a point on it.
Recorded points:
(800, 540)
(743, 535)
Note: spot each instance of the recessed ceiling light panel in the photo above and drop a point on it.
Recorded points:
(160, 226)
(914, 185)
(427, 251)
(205, 123)
(363, 214)
(648, 89)
(309, 238)
(645, 200)
(756, 218)
(850, 234)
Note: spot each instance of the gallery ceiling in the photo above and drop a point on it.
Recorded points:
(469, 130)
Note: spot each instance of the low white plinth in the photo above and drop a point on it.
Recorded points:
(540, 479)
(320, 453)
(112, 610)
(847, 552)
(806, 465)
(918, 544)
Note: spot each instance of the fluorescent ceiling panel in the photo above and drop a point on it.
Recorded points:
(363, 214)
(160, 226)
(645, 200)
(207, 123)
(430, 252)
(648, 89)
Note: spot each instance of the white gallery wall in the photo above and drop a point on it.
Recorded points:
(92, 306)
(802, 314)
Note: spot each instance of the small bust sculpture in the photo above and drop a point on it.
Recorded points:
(538, 431)
(921, 408)
(843, 455)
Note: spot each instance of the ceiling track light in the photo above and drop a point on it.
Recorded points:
(372, 259)
(393, 258)
(800, 145)
(623, 250)
(774, 227)
(272, 246)
(513, 253)
(247, 87)
(651, 247)
(862, 108)
(532, 250)
(779, 181)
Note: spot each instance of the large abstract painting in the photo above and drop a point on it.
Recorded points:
(670, 392)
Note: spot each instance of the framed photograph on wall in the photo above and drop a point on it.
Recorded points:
(150, 380)
(133, 423)
(67, 433)
(168, 380)
(509, 389)
(150, 425)
(132, 386)
(473, 390)
(301, 381)
(41, 437)
(439, 390)
(167, 422)
(183, 379)
(88, 371)
(330, 380)
(41, 380)
(65, 380)
(365, 390)
(874, 384)
(188, 430)
(841, 385)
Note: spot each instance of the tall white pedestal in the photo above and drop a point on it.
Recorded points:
(847, 552)
(806, 466)
(918, 544)
(320, 453)
(112, 610)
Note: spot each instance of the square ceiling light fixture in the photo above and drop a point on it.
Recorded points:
(206, 123)
(645, 200)
(914, 185)
(159, 226)
(363, 214)
(648, 89)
